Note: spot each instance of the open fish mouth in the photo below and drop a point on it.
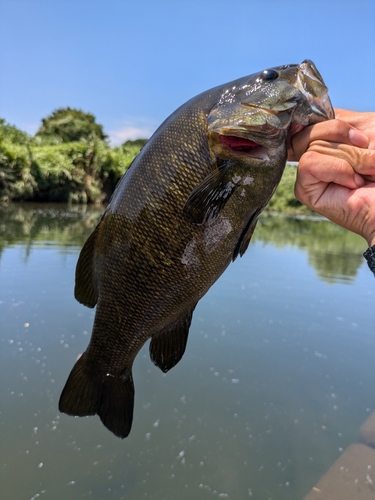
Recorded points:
(251, 142)
(242, 146)
(238, 144)
(248, 147)
(259, 142)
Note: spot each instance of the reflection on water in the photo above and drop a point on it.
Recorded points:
(277, 378)
(336, 255)
(35, 223)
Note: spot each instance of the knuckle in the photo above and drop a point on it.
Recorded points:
(308, 159)
(339, 127)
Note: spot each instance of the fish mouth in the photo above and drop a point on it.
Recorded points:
(243, 147)
(238, 144)
(256, 143)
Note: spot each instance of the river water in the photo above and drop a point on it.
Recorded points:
(277, 378)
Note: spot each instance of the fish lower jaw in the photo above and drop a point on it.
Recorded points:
(258, 153)
(232, 146)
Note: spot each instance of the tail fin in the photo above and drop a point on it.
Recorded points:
(89, 391)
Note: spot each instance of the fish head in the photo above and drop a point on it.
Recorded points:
(254, 115)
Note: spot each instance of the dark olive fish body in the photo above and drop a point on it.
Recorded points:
(183, 211)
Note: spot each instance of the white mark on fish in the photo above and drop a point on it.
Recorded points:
(215, 232)
(227, 191)
(247, 181)
(188, 257)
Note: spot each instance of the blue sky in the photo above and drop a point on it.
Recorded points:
(132, 62)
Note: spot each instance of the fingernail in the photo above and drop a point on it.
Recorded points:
(357, 138)
(359, 180)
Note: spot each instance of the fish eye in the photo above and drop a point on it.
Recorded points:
(269, 74)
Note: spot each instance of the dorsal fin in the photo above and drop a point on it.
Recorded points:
(168, 346)
(85, 290)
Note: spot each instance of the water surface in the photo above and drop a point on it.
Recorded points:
(277, 378)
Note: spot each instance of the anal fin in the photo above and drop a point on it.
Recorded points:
(168, 346)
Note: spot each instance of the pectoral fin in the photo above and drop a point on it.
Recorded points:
(168, 346)
(208, 199)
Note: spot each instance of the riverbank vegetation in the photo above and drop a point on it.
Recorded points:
(67, 160)
(70, 160)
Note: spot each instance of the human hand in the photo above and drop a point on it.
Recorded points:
(336, 172)
(361, 121)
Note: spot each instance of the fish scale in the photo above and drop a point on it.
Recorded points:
(186, 207)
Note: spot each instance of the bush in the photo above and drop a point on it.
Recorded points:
(116, 164)
(68, 172)
(13, 135)
(284, 200)
(16, 177)
(69, 125)
(78, 172)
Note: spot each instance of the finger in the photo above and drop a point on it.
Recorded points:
(331, 130)
(362, 161)
(316, 168)
(322, 197)
(364, 121)
(358, 119)
(347, 114)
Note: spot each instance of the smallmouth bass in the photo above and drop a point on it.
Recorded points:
(186, 207)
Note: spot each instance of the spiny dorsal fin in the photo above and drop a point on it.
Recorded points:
(85, 290)
(168, 346)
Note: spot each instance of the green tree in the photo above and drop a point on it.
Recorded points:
(69, 125)
(17, 181)
(10, 133)
(137, 143)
